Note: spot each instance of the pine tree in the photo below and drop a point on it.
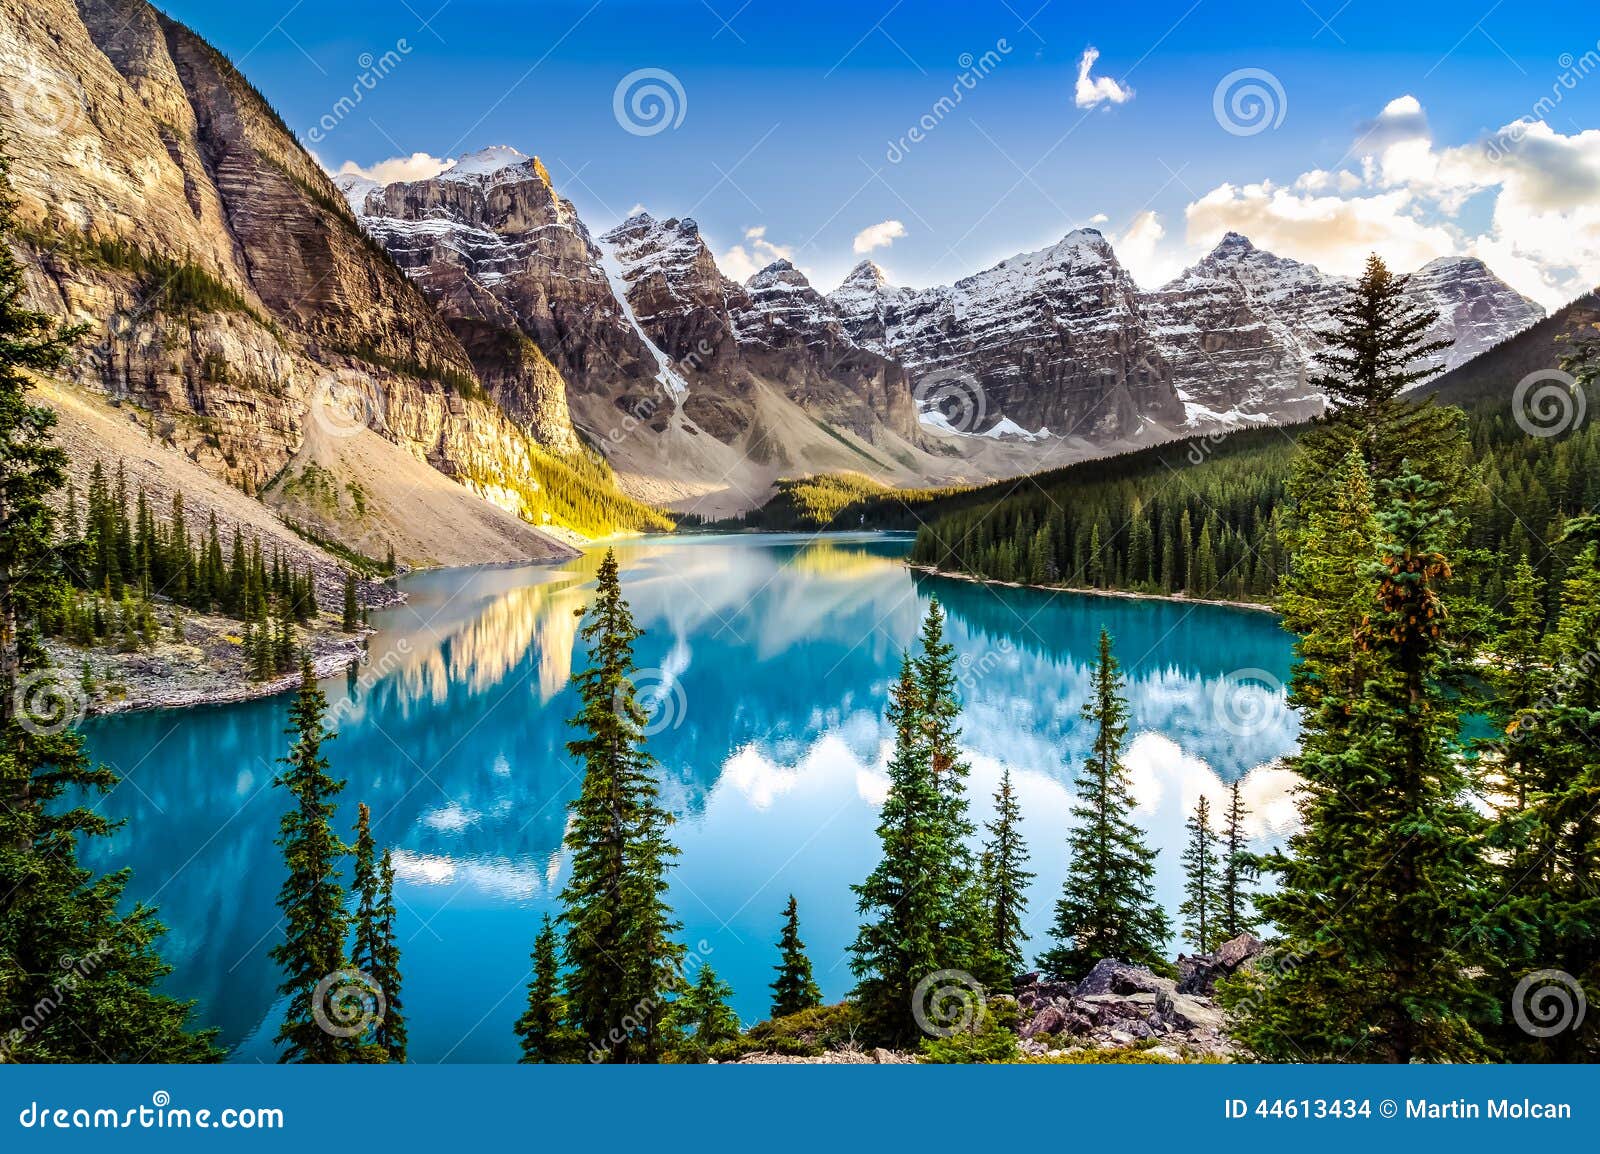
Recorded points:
(1005, 887)
(389, 1033)
(1107, 907)
(623, 962)
(795, 989)
(1548, 917)
(352, 614)
(1381, 888)
(1202, 900)
(311, 898)
(1378, 348)
(703, 1017)
(906, 897)
(61, 927)
(543, 1029)
(961, 921)
(1519, 675)
(1237, 872)
(374, 952)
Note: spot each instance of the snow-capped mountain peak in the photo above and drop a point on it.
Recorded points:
(484, 162)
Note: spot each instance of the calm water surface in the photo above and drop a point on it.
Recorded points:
(769, 658)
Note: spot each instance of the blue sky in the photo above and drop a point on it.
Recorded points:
(791, 114)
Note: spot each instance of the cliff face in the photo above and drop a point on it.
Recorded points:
(1062, 337)
(222, 276)
(694, 386)
(721, 336)
(1055, 339)
(1238, 329)
(1241, 326)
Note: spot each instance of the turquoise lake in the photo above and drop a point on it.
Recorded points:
(768, 659)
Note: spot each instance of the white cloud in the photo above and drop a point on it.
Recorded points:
(417, 166)
(1332, 232)
(1141, 252)
(880, 235)
(1534, 192)
(1095, 90)
(743, 261)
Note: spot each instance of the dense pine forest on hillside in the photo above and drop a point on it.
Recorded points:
(1156, 522)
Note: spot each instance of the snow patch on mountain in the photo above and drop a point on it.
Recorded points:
(668, 377)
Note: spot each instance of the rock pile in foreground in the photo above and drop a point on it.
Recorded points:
(1117, 1004)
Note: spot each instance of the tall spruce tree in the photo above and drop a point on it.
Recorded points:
(961, 922)
(542, 1028)
(1005, 887)
(1202, 897)
(390, 1031)
(794, 989)
(1238, 871)
(623, 963)
(906, 897)
(375, 952)
(1548, 916)
(1377, 348)
(312, 896)
(1107, 907)
(1519, 674)
(1381, 888)
(69, 941)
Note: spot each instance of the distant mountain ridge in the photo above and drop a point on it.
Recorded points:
(1232, 337)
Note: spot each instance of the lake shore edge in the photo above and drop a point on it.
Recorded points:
(1125, 594)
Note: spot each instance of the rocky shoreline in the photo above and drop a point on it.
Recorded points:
(207, 667)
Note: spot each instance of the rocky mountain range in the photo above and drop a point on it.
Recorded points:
(473, 324)
(1062, 339)
(237, 312)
